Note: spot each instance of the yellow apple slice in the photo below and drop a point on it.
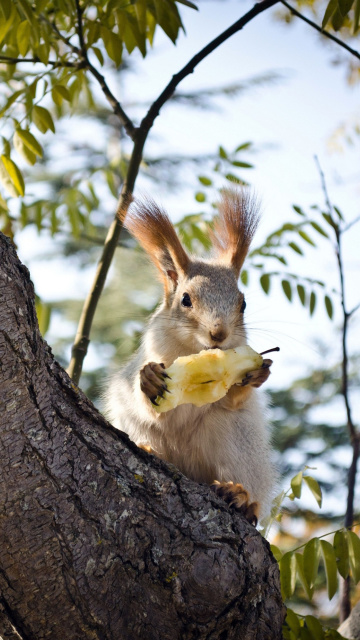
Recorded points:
(205, 377)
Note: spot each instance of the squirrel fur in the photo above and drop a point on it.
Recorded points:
(225, 443)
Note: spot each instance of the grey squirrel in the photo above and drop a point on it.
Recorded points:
(224, 444)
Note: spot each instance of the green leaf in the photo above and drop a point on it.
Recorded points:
(292, 621)
(42, 119)
(287, 289)
(200, 196)
(295, 247)
(43, 312)
(315, 628)
(330, 567)
(243, 146)
(311, 557)
(276, 552)
(354, 555)
(243, 165)
(337, 210)
(187, 3)
(329, 220)
(265, 282)
(233, 178)
(342, 553)
(287, 574)
(330, 10)
(307, 238)
(301, 575)
(23, 150)
(298, 210)
(345, 6)
(312, 302)
(296, 484)
(205, 181)
(337, 20)
(113, 45)
(356, 16)
(222, 153)
(244, 277)
(23, 33)
(314, 488)
(301, 294)
(329, 307)
(14, 174)
(60, 93)
(319, 229)
(30, 141)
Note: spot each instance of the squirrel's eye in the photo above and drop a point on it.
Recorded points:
(186, 300)
(243, 306)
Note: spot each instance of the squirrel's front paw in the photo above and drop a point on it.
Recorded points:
(259, 376)
(237, 496)
(152, 381)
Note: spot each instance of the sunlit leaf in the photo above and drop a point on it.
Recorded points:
(14, 175)
(296, 482)
(330, 567)
(342, 553)
(292, 621)
(287, 574)
(306, 237)
(354, 555)
(42, 119)
(200, 196)
(319, 229)
(23, 150)
(314, 488)
(315, 628)
(276, 552)
(301, 575)
(205, 181)
(311, 557)
(30, 141)
(23, 37)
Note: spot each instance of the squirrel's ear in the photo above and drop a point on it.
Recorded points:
(235, 227)
(154, 230)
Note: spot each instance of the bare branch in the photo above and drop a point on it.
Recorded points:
(345, 605)
(320, 30)
(36, 60)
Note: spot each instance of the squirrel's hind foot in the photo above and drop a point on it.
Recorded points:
(237, 496)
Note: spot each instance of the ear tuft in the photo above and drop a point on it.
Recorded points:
(152, 227)
(235, 227)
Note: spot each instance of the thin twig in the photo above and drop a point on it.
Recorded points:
(36, 60)
(345, 604)
(320, 30)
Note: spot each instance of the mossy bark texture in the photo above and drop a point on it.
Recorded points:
(99, 540)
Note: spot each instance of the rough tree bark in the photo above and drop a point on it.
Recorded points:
(98, 539)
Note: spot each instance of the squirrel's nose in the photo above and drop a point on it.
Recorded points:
(218, 334)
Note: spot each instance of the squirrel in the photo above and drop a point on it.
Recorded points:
(224, 444)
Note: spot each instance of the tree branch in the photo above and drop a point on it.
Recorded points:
(320, 30)
(345, 605)
(36, 60)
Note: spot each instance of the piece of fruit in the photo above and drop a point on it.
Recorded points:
(205, 377)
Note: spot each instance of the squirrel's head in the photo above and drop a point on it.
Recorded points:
(201, 297)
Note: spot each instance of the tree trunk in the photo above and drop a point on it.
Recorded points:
(99, 540)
